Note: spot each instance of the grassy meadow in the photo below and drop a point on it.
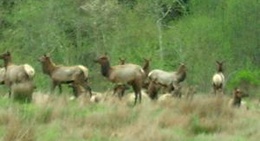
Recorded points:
(194, 32)
(53, 117)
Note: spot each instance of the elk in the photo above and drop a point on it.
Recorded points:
(80, 85)
(236, 101)
(120, 89)
(15, 74)
(168, 79)
(218, 78)
(153, 89)
(60, 74)
(125, 74)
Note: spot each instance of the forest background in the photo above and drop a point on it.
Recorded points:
(194, 32)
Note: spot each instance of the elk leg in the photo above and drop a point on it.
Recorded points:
(137, 91)
(9, 93)
(60, 88)
(121, 94)
(53, 86)
(214, 89)
(87, 87)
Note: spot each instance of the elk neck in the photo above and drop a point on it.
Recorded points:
(7, 62)
(48, 67)
(220, 68)
(105, 68)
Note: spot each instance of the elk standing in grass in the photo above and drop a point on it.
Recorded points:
(120, 89)
(170, 80)
(126, 74)
(17, 75)
(218, 79)
(61, 74)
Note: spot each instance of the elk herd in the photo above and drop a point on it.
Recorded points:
(143, 82)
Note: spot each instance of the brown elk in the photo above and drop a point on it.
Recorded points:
(166, 79)
(120, 89)
(218, 78)
(15, 74)
(153, 89)
(60, 74)
(126, 74)
(236, 101)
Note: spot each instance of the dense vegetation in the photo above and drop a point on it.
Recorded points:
(196, 32)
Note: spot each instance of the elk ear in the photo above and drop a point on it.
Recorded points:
(47, 55)
(147, 59)
(220, 62)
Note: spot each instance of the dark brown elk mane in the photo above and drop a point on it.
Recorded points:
(48, 66)
(7, 59)
(220, 66)
(105, 67)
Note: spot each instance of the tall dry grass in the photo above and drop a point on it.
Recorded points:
(59, 118)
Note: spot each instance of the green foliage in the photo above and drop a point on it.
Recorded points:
(245, 78)
(77, 31)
